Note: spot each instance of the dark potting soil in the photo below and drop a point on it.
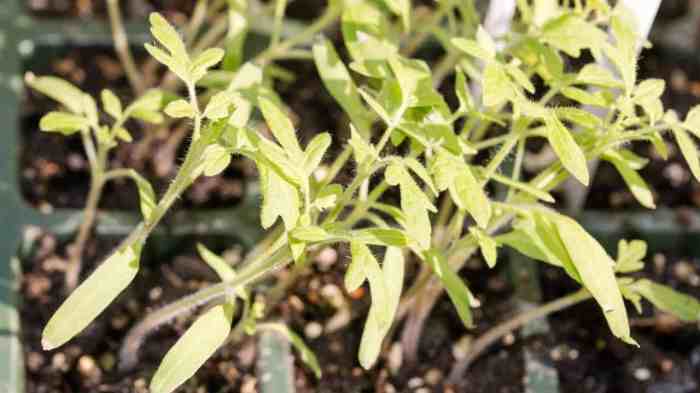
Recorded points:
(89, 361)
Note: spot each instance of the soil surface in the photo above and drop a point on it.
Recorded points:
(89, 361)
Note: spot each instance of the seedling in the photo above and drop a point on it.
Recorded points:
(404, 135)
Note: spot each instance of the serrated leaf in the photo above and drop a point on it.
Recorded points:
(91, 297)
(414, 203)
(594, 74)
(487, 245)
(205, 60)
(420, 171)
(567, 150)
(630, 255)
(63, 122)
(684, 307)
(570, 33)
(634, 181)
(178, 109)
(366, 266)
(457, 290)
(498, 88)
(648, 89)
(471, 48)
(364, 153)
(579, 116)
(315, 151)
(193, 348)
(59, 90)
(111, 104)
(281, 127)
(469, 195)
(340, 85)
(689, 150)
(168, 36)
(596, 269)
(146, 107)
(277, 160)
(328, 196)
(374, 331)
(147, 197)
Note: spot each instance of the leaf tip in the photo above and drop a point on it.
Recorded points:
(48, 345)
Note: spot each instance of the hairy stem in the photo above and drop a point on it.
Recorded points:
(494, 334)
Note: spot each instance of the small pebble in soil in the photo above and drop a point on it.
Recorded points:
(573, 354)
(415, 382)
(357, 372)
(249, 383)
(326, 258)
(395, 358)
(433, 376)
(555, 354)
(659, 263)
(676, 174)
(461, 347)
(422, 390)
(155, 293)
(296, 303)
(108, 361)
(666, 365)
(87, 367)
(140, 386)
(336, 347)
(58, 362)
(35, 361)
(313, 330)
(508, 339)
(682, 271)
(119, 321)
(642, 374)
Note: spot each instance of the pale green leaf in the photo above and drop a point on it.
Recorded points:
(193, 348)
(584, 97)
(380, 237)
(596, 269)
(689, 150)
(179, 108)
(222, 268)
(630, 255)
(63, 122)
(364, 261)
(374, 331)
(692, 121)
(59, 90)
(498, 88)
(487, 245)
(457, 290)
(571, 33)
(634, 181)
(648, 89)
(91, 297)
(281, 127)
(468, 194)
(340, 85)
(215, 160)
(111, 104)
(594, 74)
(579, 117)
(168, 37)
(684, 307)
(147, 197)
(205, 60)
(364, 153)
(315, 151)
(280, 199)
(418, 168)
(567, 150)
(471, 48)
(218, 106)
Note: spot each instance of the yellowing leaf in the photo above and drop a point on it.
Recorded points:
(596, 269)
(111, 104)
(59, 90)
(91, 297)
(567, 150)
(634, 181)
(315, 151)
(218, 106)
(193, 348)
(179, 108)
(280, 199)
(689, 150)
(281, 127)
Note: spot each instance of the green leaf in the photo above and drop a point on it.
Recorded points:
(466, 102)
(457, 291)
(689, 150)
(365, 265)
(684, 307)
(63, 122)
(579, 116)
(328, 196)
(218, 264)
(146, 107)
(280, 199)
(235, 36)
(692, 121)
(216, 159)
(402, 8)
(281, 127)
(278, 160)
(524, 187)
(307, 356)
(374, 331)
(91, 297)
(179, 108)
(366, 35)
(583, 97)
(487, 245)
(414, 203)
(311, 234)
(418, 168)
(339, 83)
(571, 33)
(498, 88)
(193, 348)
(315, 151)
(147, 197)
(624, 54)
(380, 237)
(218, 106)
(59, 90)
(167, 36)
(594, 74)
(630, 256)
(634, 181)
(364, 153)
(519, 77)
(648, 89)
(111, 104)
(596, 270)
(205, 60)
(566, 149)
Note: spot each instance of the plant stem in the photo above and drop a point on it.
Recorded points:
(121, 45)
(497, 332)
